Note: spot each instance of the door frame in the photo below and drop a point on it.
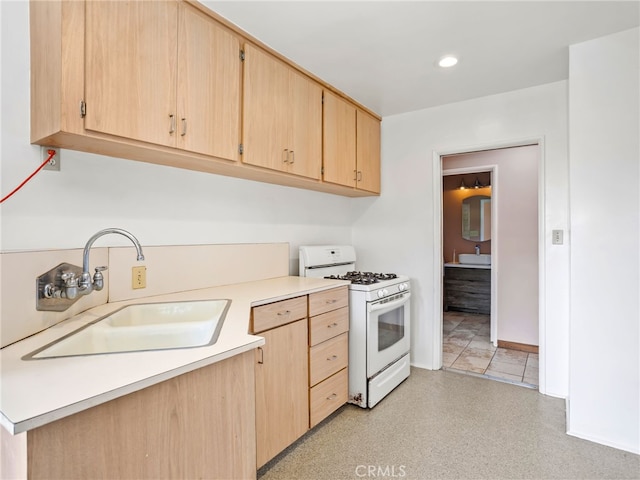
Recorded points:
(436, 163)
(494, 236)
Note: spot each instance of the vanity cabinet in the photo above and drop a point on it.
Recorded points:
(467, 289)
(198, 425)
(282, 116)
(328, 352)
(351, 145)
(168, 75)
(282, 397)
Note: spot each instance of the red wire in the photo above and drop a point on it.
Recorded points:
(51, 155)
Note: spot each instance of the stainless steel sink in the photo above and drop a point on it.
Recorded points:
(149, 326)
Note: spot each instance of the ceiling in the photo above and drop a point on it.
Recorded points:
(383, 53)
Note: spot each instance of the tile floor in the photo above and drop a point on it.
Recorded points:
(466, 346)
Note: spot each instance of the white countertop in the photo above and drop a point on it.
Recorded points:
(36, 392)
(467, 265)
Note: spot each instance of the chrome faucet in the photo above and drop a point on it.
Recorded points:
(84, 284)
(60, 287)
(477, 249)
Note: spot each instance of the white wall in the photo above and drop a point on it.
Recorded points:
(604, 393)
(160, 205)
(397, 230)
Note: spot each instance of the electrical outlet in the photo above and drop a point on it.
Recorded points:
(54, 163)
(138, 277)
(556, 237)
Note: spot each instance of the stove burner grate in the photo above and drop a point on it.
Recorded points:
(364, 278)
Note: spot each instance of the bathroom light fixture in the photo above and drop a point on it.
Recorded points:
(462, 185)
(477, 184)
(448, 61)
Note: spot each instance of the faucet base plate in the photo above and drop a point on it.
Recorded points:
(50, 289)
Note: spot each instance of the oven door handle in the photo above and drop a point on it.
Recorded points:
(390, 305)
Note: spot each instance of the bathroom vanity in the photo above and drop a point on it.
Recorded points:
(467, 288)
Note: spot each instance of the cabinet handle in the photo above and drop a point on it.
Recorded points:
(285, 155)
(184, 127)
(334, 324)
(333, 300)
(359, 176)
(286, 312)
(355, 175)
(172, 124)
(333, 396)
(332, 358)
(293, 157)
(261, 361)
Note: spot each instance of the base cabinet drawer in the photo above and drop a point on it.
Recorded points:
(328, 358)
(328, 325)
(328, 396)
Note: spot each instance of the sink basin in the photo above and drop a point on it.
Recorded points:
(473, 259)
(148, 326)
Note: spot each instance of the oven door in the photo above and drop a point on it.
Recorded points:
(388, 332)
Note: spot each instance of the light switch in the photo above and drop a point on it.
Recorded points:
(557, 237)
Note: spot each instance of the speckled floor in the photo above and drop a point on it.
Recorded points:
(466, 346)
(447, 425)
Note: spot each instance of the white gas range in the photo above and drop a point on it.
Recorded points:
(379, 321)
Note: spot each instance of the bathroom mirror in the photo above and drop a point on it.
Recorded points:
(476, 218)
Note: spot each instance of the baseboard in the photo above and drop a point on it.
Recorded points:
(523, 347)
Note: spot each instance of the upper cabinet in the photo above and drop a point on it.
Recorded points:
(351, 145)
(282, 116)
(164, 82)
(167, 75)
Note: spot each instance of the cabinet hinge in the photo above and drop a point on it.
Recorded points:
(83, 108)
(240, 149)
(242, 55)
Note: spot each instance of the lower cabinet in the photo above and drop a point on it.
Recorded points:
(282, 409)
(467, 290)
(301, 371)
(198, 425)
(328, 352)
(282, 397)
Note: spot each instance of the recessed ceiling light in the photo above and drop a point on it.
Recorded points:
(448, 61)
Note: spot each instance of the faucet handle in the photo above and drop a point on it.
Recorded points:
(98, 279)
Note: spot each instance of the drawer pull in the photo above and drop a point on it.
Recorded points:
(286, 312)
(333, 300)
(333, 396)
(332, 358)
(331, 325)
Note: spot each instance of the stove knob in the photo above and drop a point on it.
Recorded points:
(386, 292)
(380, 293)
(402, 287)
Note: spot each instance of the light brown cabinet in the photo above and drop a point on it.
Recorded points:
(198, 425)
(282, 397)
(282, 116)
(168, 75)
(328, 352)
(351, 145)
(163, 82)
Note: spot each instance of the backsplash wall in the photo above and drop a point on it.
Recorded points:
(169, 269)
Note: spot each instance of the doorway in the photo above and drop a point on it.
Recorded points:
(511, 352)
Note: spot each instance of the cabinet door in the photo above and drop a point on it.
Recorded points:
(306, 127)
(208, 112)
(282, 395)
(265, 110)
(131, 69)
(339, 141)
(368, 152)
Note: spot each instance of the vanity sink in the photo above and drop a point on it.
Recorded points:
(149, 326)
(473, 259)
